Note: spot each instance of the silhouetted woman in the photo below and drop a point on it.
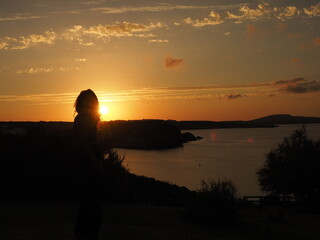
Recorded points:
(89, 166)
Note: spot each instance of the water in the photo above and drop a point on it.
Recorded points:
(233, 154)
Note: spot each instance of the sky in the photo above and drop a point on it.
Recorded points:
(179, 59)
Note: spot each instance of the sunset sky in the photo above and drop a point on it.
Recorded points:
(178, 59)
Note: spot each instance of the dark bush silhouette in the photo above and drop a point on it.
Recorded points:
(119, 185)
(216, 202)
(292, 168)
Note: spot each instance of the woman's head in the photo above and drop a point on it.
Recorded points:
(87, 103)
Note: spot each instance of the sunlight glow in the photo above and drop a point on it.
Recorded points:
(104, 110)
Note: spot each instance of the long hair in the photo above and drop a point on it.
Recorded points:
(84, 97)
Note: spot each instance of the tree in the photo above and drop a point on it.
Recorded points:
(293, 167)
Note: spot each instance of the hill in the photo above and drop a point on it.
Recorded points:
(264, 122)
(285, 119)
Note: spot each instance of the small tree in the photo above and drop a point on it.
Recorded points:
(293, 167)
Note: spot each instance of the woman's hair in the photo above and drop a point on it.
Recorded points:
(82, 100)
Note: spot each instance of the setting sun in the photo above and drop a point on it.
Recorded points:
(104, 110)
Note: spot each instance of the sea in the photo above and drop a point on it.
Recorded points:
(231, 154)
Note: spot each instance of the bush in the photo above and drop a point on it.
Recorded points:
(292, 168)
(216, 202)
(121, 186)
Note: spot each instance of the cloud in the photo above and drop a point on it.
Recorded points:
(170, 62)
(4, 45)
(213, 19)
(252, 14)
(262, 11)
(313, 11)
(244, 11)
(235, 96)
(84, 36)
(295, 62)
(298, 85)
(285, 86)
(287, 12)
(158, 8)
(142, 94)
(281, 27)
(24, 42)
(37, 70)
(20, 18)
(80, 59)
(121, 29)
(310, 45)
(91, 2)
(288, 81)
(304, 87)
(251, 31)
(158, 41)
(48, 38)
(161, 7)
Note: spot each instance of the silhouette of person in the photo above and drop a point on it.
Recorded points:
(89, 169)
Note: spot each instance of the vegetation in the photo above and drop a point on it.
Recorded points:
(216, 202)
(292, 168)
(136, 222)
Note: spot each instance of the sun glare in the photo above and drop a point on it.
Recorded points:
(104, 110)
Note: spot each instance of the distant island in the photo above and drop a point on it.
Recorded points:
(286, 119)
(264, 122)
(150, 133)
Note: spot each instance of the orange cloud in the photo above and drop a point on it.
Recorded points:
(313, 11)
(285, 86)
(298, 85)
(309, 45)
(213, 19)
(235, 96)
(170, 62)
(158, 41)
(295, 62)
(281, 27)
(251, 31)
(24, 42)
(262, 11)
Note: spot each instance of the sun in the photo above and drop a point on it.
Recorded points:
(104, 110)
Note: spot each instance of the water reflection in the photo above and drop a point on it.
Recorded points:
(222, 153)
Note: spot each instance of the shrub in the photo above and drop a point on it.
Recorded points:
(216, 202)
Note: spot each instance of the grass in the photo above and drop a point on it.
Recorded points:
(130, 222)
